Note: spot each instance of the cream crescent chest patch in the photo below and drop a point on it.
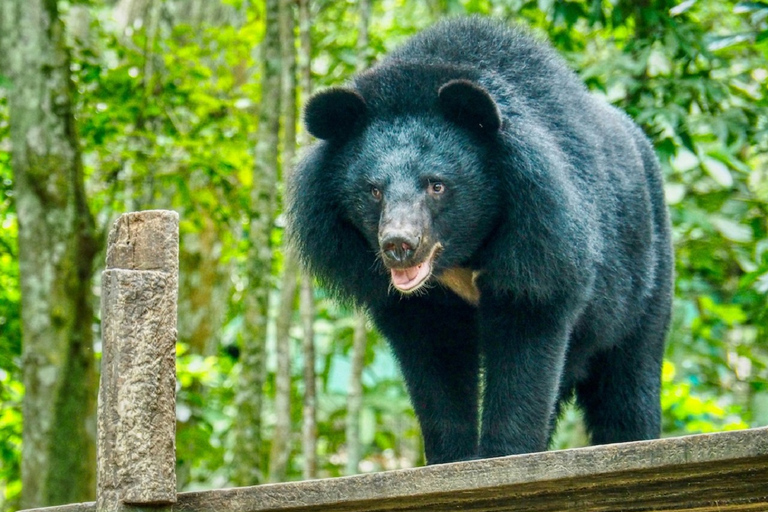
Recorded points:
(462, 282)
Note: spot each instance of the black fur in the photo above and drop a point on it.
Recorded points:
(549, 197)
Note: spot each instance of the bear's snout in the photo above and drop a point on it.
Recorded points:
(398, 248)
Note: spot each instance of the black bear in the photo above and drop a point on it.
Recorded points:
(498, 223)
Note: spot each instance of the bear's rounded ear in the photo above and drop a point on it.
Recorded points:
(334, 113)
(468, 104)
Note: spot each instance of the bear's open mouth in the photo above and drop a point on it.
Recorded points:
(410, 279)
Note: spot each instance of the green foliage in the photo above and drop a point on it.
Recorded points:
(687, 410)
(171, 124)
(11, 392)
(10, 328)
(389, 432)
(204, 412)
(11, 389)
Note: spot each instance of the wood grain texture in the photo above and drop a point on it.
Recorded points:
(137, 399)
(723, 472)
(147, 240)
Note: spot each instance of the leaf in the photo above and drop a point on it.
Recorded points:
(682, 7)
(761, 284)
(745, 7)
(674, 193)
(731, 314)
(658, 64)
(668, 371)
(718, 171)
(732, 230)
(685, 160)
(723, 42)
(731, 160)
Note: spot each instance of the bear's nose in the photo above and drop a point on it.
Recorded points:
(398, 247)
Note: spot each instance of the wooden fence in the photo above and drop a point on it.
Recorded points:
(136, 456)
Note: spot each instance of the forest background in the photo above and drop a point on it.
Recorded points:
(109, 106)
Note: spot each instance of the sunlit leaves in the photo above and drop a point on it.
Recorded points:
(11, 389)
(11, 392)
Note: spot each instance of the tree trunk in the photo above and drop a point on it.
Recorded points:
(247, 427)
(202, 289)
(355, 397)
(309, 410)
(56, 251)
(281, 439)
(306, 296)
(363, 49)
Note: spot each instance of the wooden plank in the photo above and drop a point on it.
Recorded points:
(723, 472)
(137, 392)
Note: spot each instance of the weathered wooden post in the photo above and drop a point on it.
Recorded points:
(137, 393)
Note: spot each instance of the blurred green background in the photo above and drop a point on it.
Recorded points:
(171, 99)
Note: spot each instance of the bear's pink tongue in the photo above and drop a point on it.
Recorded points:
(406, 279)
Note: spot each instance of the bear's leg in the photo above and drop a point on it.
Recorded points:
(621, 396)
(524, 350)
(563, 396)
(436, 346)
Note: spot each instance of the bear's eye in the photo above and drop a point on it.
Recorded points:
(376, 193)
(436, 188)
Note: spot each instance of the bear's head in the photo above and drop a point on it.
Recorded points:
(415, 183)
